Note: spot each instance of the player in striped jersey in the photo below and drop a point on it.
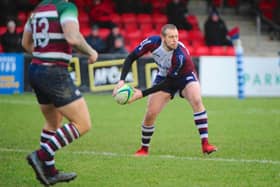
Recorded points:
(176, 73)
(49, 35)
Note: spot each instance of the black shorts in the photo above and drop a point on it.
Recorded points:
(53, 85)
(178, 84)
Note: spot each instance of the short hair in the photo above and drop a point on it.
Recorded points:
(167, 26)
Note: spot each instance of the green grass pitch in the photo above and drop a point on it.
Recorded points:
(247, 133)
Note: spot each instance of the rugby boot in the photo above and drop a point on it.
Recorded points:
(38, 167)
(61, 177)
(142, 152)
(208, 148)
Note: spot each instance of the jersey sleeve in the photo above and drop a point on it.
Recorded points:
(68, 12)
(147, 45)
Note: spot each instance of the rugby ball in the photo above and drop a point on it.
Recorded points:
(123, 94)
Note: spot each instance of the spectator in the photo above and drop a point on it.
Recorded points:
(10, 40)
(176, 12)
(100, 14)
(118, 46)
(95, 41)
(215, 30)
(114, 34)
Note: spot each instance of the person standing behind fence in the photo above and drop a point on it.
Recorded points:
(49, 34)
(215, 30)
(177, 11)
(10, 40)
(95, 41)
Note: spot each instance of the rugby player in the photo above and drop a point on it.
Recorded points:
(176, 74)
(49, 35)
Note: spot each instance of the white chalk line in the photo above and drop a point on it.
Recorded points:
(167, 157)
(34, 102)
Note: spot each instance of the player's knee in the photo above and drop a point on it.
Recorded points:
(83, 126)
(197, 104)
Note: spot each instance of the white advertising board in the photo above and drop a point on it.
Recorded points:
(218, 76)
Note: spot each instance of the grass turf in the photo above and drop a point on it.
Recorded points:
(247, 133)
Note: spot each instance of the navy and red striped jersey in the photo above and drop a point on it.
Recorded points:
(174, 63)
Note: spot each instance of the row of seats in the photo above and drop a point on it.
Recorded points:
(136, 27)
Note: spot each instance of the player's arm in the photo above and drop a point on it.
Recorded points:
(27, 40)
(138, 94)
(76, 39)
(126, 67)
(144, 47)
(70, 26)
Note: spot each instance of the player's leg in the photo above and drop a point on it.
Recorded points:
(156, 103)
(79, 123)
(51, 175)
(193, 94)
(53, 120)
(68, 102)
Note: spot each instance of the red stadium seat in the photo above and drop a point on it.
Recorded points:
(159, 5)
(130, 27)
(217, 3)
(192, 19)
(217, 50)
(128, 18)
(190, 49)
(85, 31)
(230, 51)
(201, 51)
(232, 3)
(3, 30)
(182, 34)
(116, 18)
(132, 36)
(148, 34)
(157, 27)
(20, 29)
(146, 27)
(22, 17)
(159, 19)
(1, 48)
(195, 36)
(104, 32)
(267, 8)
(144, 18)
(83, 19)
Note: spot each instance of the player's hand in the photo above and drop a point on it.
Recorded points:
(120, 84)
(136, 95)
(92, 58)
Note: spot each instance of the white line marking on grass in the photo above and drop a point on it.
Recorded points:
(167, 157)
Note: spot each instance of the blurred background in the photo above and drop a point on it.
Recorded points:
(115, 27)
(136, 19)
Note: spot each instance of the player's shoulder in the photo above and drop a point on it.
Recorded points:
(155, 39)
(65, 6)
(182, 50)
(150, 42)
